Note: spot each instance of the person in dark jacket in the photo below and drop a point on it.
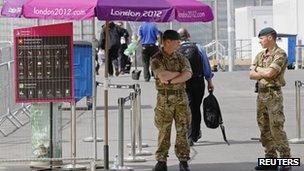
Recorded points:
(195, 86)
(123, 61)
(114, 45)
(148, 36)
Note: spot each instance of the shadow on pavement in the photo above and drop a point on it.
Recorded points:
(232, 142)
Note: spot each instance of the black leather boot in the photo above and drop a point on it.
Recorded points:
(183, 166)
(160, 166)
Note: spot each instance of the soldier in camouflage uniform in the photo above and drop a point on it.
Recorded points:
(171, 71)
(268, 69)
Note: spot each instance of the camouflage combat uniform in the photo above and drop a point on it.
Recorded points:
(172, 103)
(270, 116)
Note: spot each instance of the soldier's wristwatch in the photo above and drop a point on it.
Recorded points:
(169, 81)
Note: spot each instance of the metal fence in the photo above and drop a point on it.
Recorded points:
(12, 115)
(15, 116)
(298, 139)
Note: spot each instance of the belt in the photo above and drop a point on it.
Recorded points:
(145, 45)
(171, 92)
(269, 89)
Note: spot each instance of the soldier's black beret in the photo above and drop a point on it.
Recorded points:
(171, 34)
(266, 31)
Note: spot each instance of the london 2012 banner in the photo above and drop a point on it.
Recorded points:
(44, 63)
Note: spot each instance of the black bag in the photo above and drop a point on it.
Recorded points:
(212, 114)
(135, 74)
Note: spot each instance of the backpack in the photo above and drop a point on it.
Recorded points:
(212, 114)
(191, 52)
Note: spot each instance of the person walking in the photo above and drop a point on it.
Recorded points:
(171, 72)
(195, 87)
(268, 69)
(148, 35)
(114, 45)
(124, 41)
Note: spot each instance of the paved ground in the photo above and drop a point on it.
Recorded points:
(237, 100)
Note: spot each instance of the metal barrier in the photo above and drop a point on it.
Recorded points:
(15, 116)
(136, 112)
(217, 52)
(119, 158)
(135, 120)
(12, 116)
(18, 115)
(299, 58)
(298, 140)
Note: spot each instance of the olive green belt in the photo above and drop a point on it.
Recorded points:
(269, 89)
(171, 92)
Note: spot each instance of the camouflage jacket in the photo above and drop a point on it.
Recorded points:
(276, 59)
(175, 63)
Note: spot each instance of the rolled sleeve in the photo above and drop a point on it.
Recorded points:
(186, 65)
(156, 66)
(279, 61)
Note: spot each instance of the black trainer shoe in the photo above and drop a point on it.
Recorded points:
(266, 167)
(160, 166)
(195, 139)
(183, 166)
(190, 142)
(285, 168)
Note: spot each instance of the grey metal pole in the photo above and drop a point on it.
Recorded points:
(73, 166)
(140, 143)
(231, 34)
(254, 27)
(133, 157)
(298, 140)
(299, 55)
(106, 105)
(298, 104)
(81, 29)
(215, 59)
(120, 122)
(94, 93)
(120, 143)
(73, 107)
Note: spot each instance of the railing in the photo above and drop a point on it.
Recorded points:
(12, 116)
(299, 139)
(217, 52)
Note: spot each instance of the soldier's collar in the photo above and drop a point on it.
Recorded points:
(168, 56)
(270, 52)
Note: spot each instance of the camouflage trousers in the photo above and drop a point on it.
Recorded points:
(169, 108)
(270, 118)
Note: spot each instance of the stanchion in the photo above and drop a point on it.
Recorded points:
(138, 122)
(140, 151)
(73, 166)
(133, 157)
(93, 119)
(119, 164)
(298, 140)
